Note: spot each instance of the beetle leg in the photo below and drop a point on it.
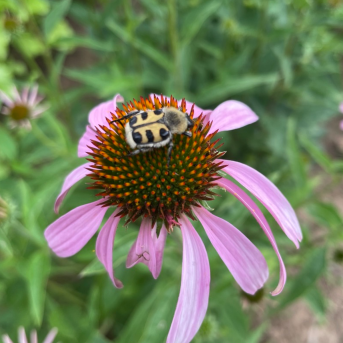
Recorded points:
(170, 147)
(130, 114)
(187, 133)
(138, 151)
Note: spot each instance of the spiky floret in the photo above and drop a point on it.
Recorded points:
(143, 185)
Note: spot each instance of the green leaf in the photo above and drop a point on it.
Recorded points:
(194, 20)
(319, 156)
(234, 85)
(37, 272)
(146, 48)
(8, 145)
(306, 278)
(316, 300)
(326, 215)
(294, 156)
(57, 13)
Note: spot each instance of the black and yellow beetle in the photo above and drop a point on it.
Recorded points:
(151, 129)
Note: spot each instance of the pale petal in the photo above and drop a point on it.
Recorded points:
(24, 94)
(98, 114)
(21, 335)
(16, 94)
(104, 246)
(51, 336)
(148, 249)
(341, 107)
(195, 286)
(33, 336)
(197, 110)
(6, 100)
(33, 95)
(256, 212)
(6, 339)
(242, 258)
(76, 175)
(39, 110)
(269, 195)
(230, 115)
(71, 232)
(85, 141)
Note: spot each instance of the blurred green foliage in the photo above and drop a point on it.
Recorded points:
(281, 58)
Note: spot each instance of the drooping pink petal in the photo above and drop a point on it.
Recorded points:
(230, 115)
(70, 233)
(195, 286)
(76, 175)
(197, 110)
(269, 195)
(38, 110)
(21, 335)
(242, 258)
(33, 337)
(85, 141)
(256, 212)
(51, 336)
(159, 243)
(98, 114)
(6, 100)
(16, 94)
(6, 339)
(104, 246)
(148, 249)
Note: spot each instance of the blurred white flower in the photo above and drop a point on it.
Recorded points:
(33, 337)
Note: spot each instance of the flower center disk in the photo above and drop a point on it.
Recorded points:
(143, 184)
(19, 112)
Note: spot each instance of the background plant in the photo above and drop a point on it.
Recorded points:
(282, 59)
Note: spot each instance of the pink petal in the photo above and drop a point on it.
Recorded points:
(148, 249)
(16, 94)
(70, 233)
(230, 115)
(256, 212)
(33, 336)
(6, 339)
(195, 287)
(76, 175)
(104, 246)
(269, 195)
(24, 94)
(242, 258)
(85, 141)
(33, 95)
(197, 110)
(51, 336)
(341, 107)
(22, 335)
(159, 243)
(6, 100)
(98, 114)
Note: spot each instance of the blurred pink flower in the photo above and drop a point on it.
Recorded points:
(341, 110)
(20, 108)
(68, 234)
(33, 337)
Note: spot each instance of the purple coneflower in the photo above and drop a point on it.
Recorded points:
(143, 186)
(341, 110)
(33, 337)
(22, 107)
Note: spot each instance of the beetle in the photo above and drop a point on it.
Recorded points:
(151, 129)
